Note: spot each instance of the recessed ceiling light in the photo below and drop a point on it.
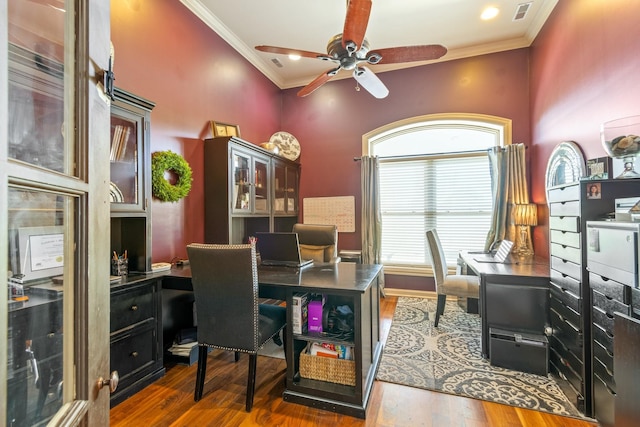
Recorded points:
(294, 57)
(490, 13)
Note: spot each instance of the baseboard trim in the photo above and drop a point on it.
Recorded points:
(412, 293)
(409, 293)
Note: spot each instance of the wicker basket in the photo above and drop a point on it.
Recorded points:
(339, 371)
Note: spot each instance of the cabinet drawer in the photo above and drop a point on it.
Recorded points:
(563, 194)
(568, 268)
(569, 358)
(604, 320)
(566, 312)
(568, 295)
(570, 335)
(131, 306)
(605, 357)
(610, 288)
(574, 378)
(566, 253)
(604, 374)
(133, 351)
(565, 238)
(603, 402)
(605, 339)
(565, 223)
(609, 305)
(565, 208)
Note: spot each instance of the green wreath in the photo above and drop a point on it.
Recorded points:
(162, 161)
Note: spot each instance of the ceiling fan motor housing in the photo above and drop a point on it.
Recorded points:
(340, 53)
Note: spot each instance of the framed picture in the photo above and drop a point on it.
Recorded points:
(224, 129)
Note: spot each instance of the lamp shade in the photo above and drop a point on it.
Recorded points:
(525, 214)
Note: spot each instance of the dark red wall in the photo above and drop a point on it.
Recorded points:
(585, 70)
(167, 55)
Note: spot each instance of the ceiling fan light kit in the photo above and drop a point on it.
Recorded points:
(349, 50)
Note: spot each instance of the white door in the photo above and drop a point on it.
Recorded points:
(54, 212)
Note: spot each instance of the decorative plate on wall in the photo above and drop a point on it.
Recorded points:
(287, 144)
(565, 165)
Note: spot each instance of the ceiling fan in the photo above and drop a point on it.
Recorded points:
(349, 50)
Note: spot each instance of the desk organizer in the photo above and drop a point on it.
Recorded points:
(340, 371)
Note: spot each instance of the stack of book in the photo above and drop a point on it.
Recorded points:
(300, 313)
(119, 142)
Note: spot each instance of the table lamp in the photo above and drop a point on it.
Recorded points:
(525, 216)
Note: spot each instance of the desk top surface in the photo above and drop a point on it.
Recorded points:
(515, 266)
(342, 276)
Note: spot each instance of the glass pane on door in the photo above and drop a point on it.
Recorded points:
(241, 191)
(37, 121)
(39, 250)
(124, 160)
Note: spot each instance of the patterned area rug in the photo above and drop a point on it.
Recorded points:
(448, 359)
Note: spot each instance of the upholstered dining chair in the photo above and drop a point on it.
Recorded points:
(318, 242)
(456, 284)
(229, 316)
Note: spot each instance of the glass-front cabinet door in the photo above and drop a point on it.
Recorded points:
(241, 184)
(250, 186)
(261, 185)
(130, 141)
(53, 149)
(125, 159)
(286, 188)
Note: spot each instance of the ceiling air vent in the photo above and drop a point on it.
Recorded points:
(278, 63)
(521, 11)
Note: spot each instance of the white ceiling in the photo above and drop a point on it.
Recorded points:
(309, 24)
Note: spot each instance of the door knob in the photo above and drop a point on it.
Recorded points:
(111, 382)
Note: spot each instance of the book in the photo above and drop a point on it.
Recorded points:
(300, 312)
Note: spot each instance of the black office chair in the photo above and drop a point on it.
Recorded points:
(225, 286)
(459, 285)
(318, 242)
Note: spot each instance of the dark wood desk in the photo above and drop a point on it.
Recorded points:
(346, 283)
(513, 295)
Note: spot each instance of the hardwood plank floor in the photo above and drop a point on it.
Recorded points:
(169, 401)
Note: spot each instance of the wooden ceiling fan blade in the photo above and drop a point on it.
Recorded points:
(393, 55)
(355, 24)
(368, 80)
(317, 82)
(287, 51)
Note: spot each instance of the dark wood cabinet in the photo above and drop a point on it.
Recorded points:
(130, 187)
(247, 189)
(136, 308)
(136, 334)
(573, 342)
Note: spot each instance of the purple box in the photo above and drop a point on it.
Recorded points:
(314, 314)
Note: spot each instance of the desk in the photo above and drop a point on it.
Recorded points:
(513, 296)
(342, 283)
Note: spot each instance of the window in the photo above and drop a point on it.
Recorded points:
(434, 173)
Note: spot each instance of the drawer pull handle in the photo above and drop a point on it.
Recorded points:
(134, 354)
(51, 335)
(134, 307)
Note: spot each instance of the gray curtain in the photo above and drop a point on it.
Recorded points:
(371, 216)
(509, 186)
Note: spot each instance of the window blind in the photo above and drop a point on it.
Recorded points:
(451, 193)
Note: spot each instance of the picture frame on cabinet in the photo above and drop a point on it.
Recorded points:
(224, 129)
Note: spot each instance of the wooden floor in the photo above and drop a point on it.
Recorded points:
(169, 401)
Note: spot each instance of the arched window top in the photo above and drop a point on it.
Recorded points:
(438, 133)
